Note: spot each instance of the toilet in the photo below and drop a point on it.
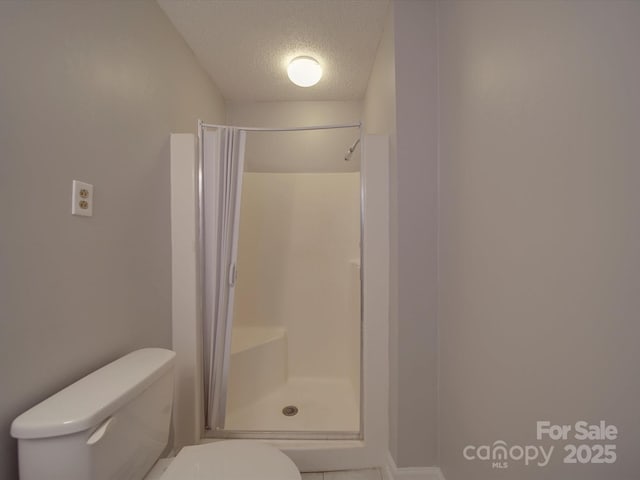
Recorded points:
(114, 424)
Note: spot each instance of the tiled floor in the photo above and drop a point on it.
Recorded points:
(368, 474)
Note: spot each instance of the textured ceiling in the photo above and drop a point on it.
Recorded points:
(245, 45)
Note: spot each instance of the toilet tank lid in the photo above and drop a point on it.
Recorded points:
(90, 400)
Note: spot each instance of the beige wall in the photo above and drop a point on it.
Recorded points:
(379, 117)
(88, 91)
(301, 151)
(417, 177)
(299, 236)
(401, 101)
(539, 262)
(536, 257)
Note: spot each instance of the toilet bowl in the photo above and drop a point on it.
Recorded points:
(114, 424)
(231, 460)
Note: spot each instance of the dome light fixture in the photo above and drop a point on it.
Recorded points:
(304, 71)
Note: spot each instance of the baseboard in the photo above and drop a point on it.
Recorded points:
(392, 472)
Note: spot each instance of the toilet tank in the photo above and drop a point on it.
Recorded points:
(112, 424)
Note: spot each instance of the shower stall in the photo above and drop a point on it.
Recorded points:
(281, 222)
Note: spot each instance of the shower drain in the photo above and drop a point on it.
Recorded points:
(290, 410)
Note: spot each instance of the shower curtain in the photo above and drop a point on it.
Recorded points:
(222, 167)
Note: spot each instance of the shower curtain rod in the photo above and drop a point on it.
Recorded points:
(291, 129)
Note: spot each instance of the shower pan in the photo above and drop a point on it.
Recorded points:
(282, 284)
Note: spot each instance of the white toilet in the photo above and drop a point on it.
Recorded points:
(114, 424)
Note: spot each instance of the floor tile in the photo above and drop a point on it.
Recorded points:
(368, 474)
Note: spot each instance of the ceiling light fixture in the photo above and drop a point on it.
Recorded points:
(304, 71)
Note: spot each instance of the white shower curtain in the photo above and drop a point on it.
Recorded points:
(222, 168)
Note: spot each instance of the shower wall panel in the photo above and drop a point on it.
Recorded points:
(298, 253)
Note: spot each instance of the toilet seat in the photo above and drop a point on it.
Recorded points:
(231, 460)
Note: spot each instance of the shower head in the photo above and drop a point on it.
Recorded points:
(350, 150)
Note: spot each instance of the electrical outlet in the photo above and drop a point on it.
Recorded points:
(82, 199)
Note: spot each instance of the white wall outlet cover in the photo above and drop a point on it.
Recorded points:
(82, 199)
